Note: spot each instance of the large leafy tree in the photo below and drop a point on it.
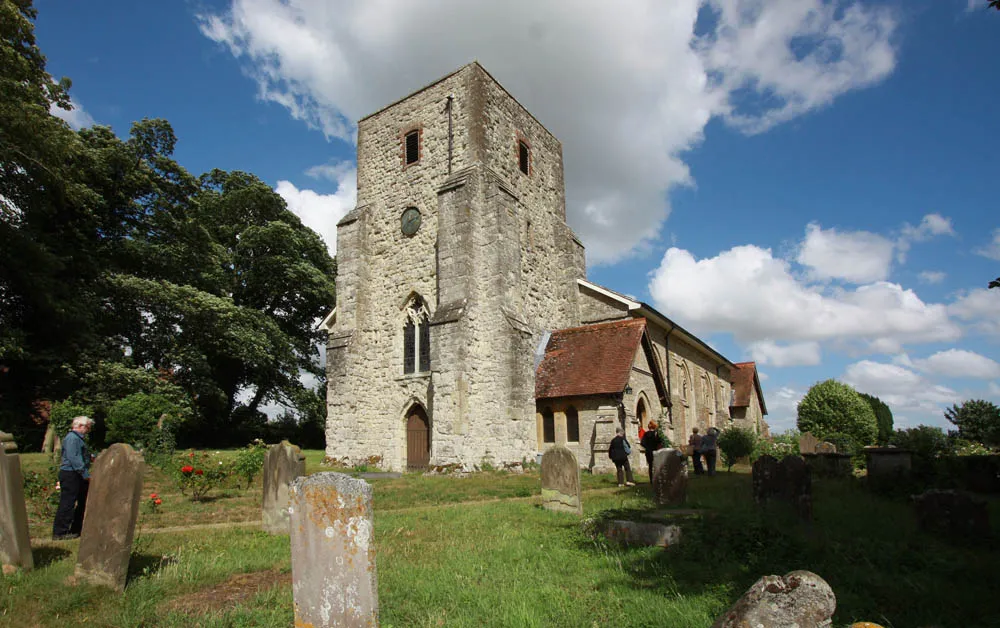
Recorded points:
(832, 407)
(977, 420)
(883, 416)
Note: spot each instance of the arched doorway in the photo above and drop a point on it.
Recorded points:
(641, 414)
(418, 439)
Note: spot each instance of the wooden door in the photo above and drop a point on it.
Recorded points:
(418, 439)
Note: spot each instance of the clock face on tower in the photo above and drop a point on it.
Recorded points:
(410, 221)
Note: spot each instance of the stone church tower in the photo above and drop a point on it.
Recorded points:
(451, 269)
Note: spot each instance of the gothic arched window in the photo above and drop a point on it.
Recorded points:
(416, 338)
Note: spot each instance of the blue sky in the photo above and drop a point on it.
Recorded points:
(808, 184)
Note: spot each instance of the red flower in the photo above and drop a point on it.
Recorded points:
(153, 495)
(157, 501)
(186, 469)
(199, 472)
(191, 455)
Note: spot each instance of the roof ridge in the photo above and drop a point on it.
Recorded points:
(625, 322)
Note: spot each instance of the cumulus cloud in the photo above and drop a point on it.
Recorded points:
(932, 276)
(930, 226)
(979, 309)
(77, 118)
(901, 388)
(782, 408)
(321, 212)
(992, 250)
(627, 87)
(959, 363)
(795, 354)
(854, 256)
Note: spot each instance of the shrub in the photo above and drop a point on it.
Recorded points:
(249, 461)
(735, 443)
(136, 420)
(831, 407)
(844, 443)
(196, 478)
(962, 447)
(976, 420)
(775, 449)
(62, 414)
(924, 441)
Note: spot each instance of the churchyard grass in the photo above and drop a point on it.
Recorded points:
(503, 561)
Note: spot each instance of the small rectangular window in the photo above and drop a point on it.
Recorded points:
(425, 347)
(548, 427)
(523, 156)
(412, 147)
(408, 347)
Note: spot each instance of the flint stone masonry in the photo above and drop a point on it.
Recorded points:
(561, 481)
(800, 599)
(670, 477)
(109, 522)
(334, 580)
(282, 464)
(15, 544)
(641, 533)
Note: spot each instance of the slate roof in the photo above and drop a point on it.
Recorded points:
(589, 360)
(744, 381)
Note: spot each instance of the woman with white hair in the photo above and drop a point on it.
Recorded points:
(74, 480)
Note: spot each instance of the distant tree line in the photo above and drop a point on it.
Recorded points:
(121, 273)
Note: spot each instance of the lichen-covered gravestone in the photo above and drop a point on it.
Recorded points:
(561, 481)
(334, 582)
(15, 544)
(800, 598)
(808, 443)
(283, 463)
(766, 478)
(797, 485)
(670, 477)
(109, 522)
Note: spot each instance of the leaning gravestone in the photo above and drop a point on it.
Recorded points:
(561, 481)
(109, 522)
(800, 598)
(767, 480)
(808, 443)
(670, 477)
(15, 544)
(334, 582)
(282, 465)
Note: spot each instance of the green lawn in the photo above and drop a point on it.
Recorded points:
(503, 561)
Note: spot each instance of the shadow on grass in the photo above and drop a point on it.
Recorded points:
(143, 565)
(46, 555)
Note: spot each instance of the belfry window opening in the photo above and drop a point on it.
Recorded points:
(416, 339)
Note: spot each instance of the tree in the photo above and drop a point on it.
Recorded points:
(883, 416)
(831, 406)
(977, 420)
(735, 443)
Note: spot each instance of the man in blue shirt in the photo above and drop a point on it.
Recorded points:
(74, 480)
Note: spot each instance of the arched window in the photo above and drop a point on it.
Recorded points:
(416, 338)
(572, 425)
(548, 426)
(641, 413)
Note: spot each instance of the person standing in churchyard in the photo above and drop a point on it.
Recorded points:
(709, 448)
(651, 441)
(694, 446)
(618, 451)
(74, 480)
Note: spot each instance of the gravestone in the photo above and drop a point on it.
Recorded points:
(334, 582)
(826, 448)
(15, 544)
(109, 522)
(670, 477)
(767, 480)
(282, 464)
(642, 533)
(829, 465)
(807, 443)
(800, 598)
(561, 481)
(952, 513)
(887, 464)
(797, 485)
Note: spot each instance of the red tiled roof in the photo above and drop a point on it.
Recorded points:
(589, 360)
(744, 381)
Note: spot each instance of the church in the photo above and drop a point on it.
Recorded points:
(465, 331)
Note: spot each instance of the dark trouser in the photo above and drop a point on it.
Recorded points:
(623, 464)
(72, 503)
(696, 459)
(710, 460)
(649, 465)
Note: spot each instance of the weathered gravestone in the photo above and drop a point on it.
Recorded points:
(641, 533)
(767, 478)
(561, 481)
(826, 448)
(797, 485)
(887, 464)
(952, 513)
(334, 582)
(15, 544)
(284, 462)
(808, 443)
(670, 477)
(109, 522)
(799, 599)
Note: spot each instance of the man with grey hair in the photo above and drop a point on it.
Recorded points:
(74, 480)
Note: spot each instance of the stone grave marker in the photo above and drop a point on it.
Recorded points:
(808, 443)
(334, 581)
(767, 478)
(642, 533)
(670, 477)
(826, 448)
(109, 522)
(15, 544)
(282, 464)
(800, 598)
(797, 484)
(952, 513)
(561, 481)
(887, 464)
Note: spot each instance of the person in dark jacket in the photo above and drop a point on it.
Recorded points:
(74, 480)
(709, 448)
(651, 441)
(694, 443)
(619, 456)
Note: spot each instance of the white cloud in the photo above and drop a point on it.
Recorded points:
(635, 71)
(959, 363)
(901, 389)
(932, 276)
(930, 226)
(992, 250)
(783, 408)
(855, 256)
(321, 212)
(795, 354)
(77, 118)
(748, 292)
(979, 308)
